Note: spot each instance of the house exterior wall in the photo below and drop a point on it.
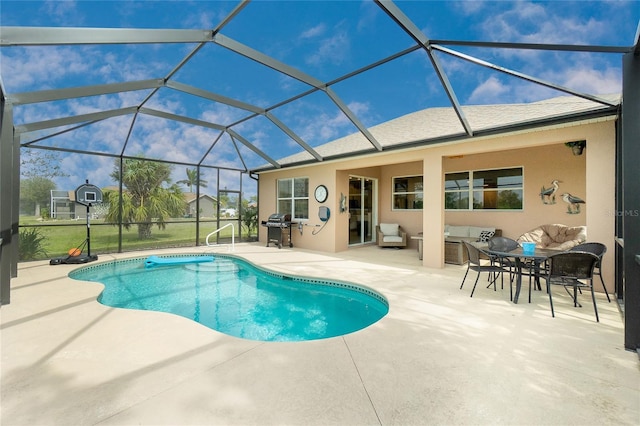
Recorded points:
(207, 207)
(541, 165)
(323, 240)
(540, 152)
(411, 220)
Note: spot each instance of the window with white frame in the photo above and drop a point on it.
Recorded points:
(293, 197)
(496, 189)
(407, 193)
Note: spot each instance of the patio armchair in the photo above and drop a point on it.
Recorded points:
(504, 244)
(391, 235)
(572, 269)
(599, 250)
(475, 264)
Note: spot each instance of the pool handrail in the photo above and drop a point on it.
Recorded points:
(233, 236)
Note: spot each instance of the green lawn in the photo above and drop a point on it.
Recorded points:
(62, 235)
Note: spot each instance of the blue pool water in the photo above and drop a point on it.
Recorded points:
(237, 298)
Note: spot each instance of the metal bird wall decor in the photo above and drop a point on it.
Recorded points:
(573, 203)
(548, 195)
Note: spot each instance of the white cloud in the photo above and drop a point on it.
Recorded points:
(369, 11)
(314, 32)
(360, 109)
(96, 169)
(323, 127)
(527, 22)
(490, 91)
(590, 80)
(221, 114)
(40, 68)
(332, 49)
(63, 12)
(469, 7)
(203, 19)
(107, 136)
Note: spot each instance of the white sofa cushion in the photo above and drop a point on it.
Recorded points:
(392, 239)
(458, 231)
(390, 230)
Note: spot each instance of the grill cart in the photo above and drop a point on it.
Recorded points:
(279, 229)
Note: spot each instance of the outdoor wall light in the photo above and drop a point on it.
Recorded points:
(576, 146)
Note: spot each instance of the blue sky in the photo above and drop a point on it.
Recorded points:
(325, 40)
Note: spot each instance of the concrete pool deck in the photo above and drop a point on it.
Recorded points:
(438, 357)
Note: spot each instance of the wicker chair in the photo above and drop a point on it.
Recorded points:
(572, 269)
(599, 250)
(505, 244)
(391, 235)
(494, 269)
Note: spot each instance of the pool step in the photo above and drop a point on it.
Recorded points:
(219, 266)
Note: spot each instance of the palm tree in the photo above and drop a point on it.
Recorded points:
(145, 201)
(192, 179)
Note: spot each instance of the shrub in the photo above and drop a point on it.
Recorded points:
(44, 213)
(31, 244)
(250, 220)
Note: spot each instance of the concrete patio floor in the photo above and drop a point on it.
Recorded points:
(438, 357)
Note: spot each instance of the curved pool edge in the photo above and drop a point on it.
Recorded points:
(375, 296)
(361, 288)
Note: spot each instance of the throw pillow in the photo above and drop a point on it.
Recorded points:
(389, 229)
(485, 236)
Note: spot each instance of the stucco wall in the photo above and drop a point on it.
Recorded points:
(541, 153)
(411, 220)
(541, 165)
(314, 235)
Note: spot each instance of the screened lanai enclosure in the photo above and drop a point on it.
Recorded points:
(173, 108)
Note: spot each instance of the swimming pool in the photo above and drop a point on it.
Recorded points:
(235, 297)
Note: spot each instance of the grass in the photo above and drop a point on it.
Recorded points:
(62, 235)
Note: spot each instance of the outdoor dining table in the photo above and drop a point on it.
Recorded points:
(538, 257)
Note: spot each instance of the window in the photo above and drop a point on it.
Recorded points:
(407, 193)
(456, 191)
(293, 197)
(499, 189)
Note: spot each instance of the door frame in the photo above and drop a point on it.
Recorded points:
(374, 210)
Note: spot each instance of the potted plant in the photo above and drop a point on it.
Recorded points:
(576, 146)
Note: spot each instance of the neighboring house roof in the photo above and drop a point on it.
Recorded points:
(190, 197)
(436, 125)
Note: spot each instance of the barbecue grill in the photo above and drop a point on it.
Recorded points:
(279, 229)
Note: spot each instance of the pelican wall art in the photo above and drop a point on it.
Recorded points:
(548, 195)
(573, 203)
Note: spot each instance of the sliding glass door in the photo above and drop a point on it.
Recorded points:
(362, 202)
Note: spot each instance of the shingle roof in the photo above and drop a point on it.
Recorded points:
(190, 197)
(434, 123)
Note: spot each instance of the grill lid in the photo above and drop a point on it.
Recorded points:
(279, 218)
